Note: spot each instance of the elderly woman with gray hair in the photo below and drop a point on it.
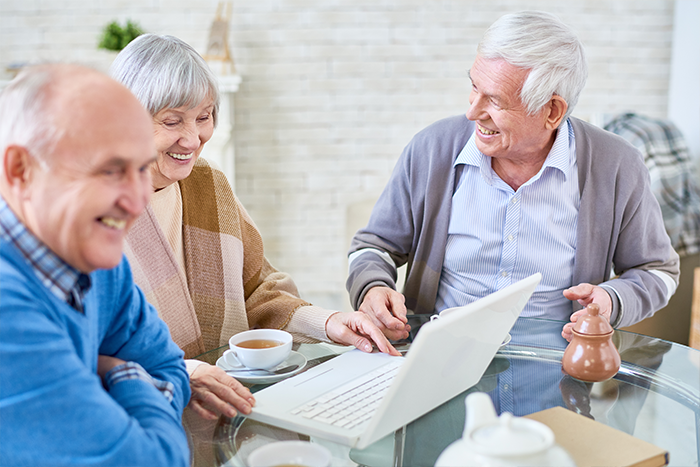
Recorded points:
(195, 252)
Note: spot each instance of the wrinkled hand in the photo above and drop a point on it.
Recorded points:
(106, 363)
(385, 307)
(586, 294)
(357, 329)
(215, 393)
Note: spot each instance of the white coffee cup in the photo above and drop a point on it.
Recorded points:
(245, 349)
(302, 453)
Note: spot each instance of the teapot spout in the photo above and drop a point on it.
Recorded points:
(480, 411)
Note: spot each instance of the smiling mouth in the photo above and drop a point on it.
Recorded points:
(111, 222)
(485, 131)
(180, 157)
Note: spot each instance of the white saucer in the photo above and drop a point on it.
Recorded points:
(295, 358)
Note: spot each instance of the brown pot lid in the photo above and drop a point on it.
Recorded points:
(593, 323)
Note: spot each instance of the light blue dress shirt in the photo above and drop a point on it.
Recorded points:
(498, 236)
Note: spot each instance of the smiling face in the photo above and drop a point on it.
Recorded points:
(180, 135)
(504, 128)
(95, 183)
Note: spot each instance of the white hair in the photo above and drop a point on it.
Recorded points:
(165, 72)
(541, 43)
(25, 116)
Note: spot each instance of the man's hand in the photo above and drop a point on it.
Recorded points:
(357, 329)
(385, 307)
(215, 393)
(586, 294)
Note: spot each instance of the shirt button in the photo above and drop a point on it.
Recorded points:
(504, 274)
(510, 238)
(513, 200)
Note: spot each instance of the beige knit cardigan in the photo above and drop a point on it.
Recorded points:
(228, 285)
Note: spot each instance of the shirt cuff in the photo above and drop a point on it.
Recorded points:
(132, 370)
(616, 313)
(191, 365)
(310, 321)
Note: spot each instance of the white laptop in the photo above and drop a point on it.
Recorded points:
(448, 356)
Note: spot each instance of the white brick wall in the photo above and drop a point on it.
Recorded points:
(333, 90)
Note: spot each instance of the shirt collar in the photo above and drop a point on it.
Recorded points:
(559, 156)
(58, 276)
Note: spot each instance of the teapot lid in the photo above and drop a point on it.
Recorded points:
(593, 323)
(511, 436)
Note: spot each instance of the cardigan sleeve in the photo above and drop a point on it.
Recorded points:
(271, 296)
(308, 324)
(380, 248)
(620, 229)
(646, 264)
(409, 222)
(226, 264)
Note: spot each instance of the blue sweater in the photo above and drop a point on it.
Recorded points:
(53, 407)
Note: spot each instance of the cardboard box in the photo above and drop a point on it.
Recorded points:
(592, 444)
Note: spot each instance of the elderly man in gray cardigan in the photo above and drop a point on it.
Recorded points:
(517, 186)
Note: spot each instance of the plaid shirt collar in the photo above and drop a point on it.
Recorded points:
(63, 280)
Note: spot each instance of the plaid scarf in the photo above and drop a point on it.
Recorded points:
(228, 285)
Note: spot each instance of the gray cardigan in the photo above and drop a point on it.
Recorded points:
(619, 225)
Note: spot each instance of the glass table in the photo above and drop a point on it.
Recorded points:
(655, 397)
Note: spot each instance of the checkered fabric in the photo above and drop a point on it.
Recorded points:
(132, 370)
(673, 180)
(228, 286)
(64, 281)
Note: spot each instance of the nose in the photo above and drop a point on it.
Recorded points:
(189, 138)
(136, 192)
(476, 108)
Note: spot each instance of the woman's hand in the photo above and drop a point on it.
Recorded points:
(215, 393)
(357, 329)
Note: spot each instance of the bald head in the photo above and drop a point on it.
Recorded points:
(45, 102)
(76, 146)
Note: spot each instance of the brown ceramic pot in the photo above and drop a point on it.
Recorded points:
(591, 355)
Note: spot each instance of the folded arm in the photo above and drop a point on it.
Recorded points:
(56, 410)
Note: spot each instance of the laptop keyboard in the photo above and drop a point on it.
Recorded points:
(353, 403)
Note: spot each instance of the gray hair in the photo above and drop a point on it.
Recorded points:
(25, 112)
(165, 72)
(540, 42)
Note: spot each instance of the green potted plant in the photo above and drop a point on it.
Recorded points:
(115, 37)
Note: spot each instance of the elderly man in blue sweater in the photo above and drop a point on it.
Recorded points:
(88, 372)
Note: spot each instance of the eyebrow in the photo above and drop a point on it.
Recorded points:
(208, 108)
(113, 161)
(495, 97)
(120, 162)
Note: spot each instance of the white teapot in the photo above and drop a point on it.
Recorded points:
(505, 441)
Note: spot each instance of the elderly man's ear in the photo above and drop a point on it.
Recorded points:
(18, 166)
(557, 107)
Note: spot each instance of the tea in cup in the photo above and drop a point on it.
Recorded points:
(258, 349)
(290, 453)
